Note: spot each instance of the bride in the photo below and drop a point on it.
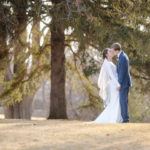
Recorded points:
(108, 84)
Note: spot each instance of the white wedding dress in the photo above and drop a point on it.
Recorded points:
(108, 83)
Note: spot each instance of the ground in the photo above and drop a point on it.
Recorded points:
(72, 135)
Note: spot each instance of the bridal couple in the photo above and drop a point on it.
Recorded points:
(114, 83)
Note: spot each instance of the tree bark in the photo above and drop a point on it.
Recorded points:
(57, 96)
(22, 109)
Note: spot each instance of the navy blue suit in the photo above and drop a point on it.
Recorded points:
(125, 82)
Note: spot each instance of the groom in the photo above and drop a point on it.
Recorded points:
(123, 78)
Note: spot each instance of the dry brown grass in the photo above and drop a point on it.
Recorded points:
(72, 135)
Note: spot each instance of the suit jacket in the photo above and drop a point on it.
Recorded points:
(123, 70)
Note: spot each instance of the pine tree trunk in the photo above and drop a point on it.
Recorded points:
(8, 112)
(57, 96)
(26, 107)
(20, 110)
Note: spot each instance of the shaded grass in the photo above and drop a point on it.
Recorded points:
(72, 135)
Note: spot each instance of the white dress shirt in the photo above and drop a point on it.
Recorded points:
(119, 54)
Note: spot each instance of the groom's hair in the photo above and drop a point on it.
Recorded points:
(116, 46)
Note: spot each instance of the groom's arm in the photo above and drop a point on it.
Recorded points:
(122, 69)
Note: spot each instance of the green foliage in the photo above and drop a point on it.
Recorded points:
(82, 83)
(139, 105)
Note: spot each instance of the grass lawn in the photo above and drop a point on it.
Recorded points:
(72, 135)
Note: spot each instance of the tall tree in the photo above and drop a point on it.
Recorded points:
(57, 97)
(95, 24)
(17, 110)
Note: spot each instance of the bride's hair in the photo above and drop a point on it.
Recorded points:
(105, 51)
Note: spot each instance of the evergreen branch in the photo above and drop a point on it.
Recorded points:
(84, 85)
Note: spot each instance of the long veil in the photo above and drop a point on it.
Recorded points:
(103, 82)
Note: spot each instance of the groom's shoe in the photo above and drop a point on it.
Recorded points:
(126, 121)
